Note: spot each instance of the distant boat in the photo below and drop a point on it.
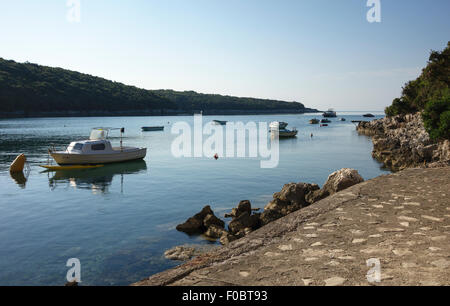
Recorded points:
(152, 128)
(325, 121)
(342, 119)
(368, 116)
(219, 122)
(314, 121)
(284, 133)
(278, 125)
(324, 125)
(330, 114)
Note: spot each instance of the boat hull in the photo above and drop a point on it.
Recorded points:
(64, 158)
(152, 128)
(288, 134)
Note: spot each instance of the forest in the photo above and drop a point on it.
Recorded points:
(31, 89)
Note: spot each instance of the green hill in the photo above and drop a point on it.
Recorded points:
(33, 90)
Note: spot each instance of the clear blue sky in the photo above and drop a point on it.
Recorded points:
(323, 53)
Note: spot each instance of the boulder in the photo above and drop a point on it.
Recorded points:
(243, 206)
(245, 220)
(341, 180)
(196, 224)
(269, 216)
(291, 198)
(213, 220)
(191, 226)
(337, 181)
(215, 231)
(204, 212)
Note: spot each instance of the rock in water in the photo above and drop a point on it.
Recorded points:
(191, 226)
(213, 220)
(195, 224)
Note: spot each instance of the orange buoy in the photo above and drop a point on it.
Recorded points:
(18, 164)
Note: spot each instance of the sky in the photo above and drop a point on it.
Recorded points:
(323, 53)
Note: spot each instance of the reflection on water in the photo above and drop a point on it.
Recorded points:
(97, 179)
(19, 178)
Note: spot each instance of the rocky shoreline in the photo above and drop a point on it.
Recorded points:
(245, 219)
(402, 142)
(401, 220)
(342, 213)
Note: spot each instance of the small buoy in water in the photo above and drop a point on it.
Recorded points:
(18, 164)
(216, 157)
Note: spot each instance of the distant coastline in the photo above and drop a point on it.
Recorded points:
(31, 90)
(150, 113)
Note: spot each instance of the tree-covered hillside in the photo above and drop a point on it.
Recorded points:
(33, 89)
(429, 94)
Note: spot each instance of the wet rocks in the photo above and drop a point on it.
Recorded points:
(200, 223)
(292, 197)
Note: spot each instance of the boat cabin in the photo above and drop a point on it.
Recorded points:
(90, 147)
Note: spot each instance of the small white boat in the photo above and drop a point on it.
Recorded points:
(280, 128)
(278, 125)
(97, 150)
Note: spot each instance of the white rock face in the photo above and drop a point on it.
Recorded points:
(342, 179)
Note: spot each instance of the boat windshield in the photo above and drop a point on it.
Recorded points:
(98, 134)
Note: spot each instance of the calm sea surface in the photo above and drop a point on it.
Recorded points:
(119, 220)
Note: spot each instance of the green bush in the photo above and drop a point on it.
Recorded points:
(429, 93)
(436, 117)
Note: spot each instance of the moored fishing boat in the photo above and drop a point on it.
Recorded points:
(330, 114)
(278, 125)
(284, 133)
(97, 150)
(314, 121)
(280, 128)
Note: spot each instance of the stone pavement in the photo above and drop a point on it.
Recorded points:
(402, 220)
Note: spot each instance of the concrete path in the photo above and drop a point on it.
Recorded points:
(401, 220)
